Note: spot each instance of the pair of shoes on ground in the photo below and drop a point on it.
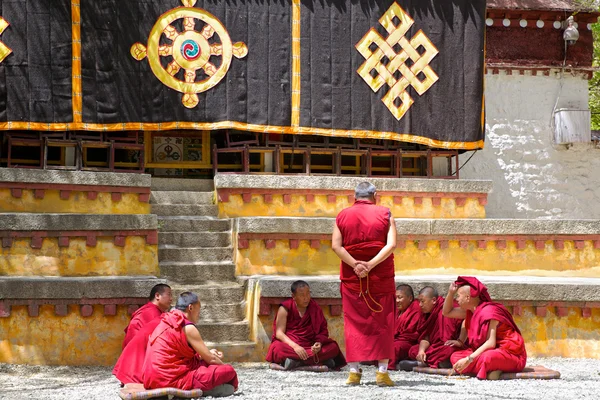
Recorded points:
(381, 378)
(293, 364)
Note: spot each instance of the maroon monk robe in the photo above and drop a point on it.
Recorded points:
(369, 304)
(305, 331)
(139, 318)
(439, 330)
(407, 332)
(172, 362)
(510, 354)
(130, 364)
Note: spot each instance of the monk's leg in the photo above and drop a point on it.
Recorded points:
(207, 377)
(279, 351)
(496, 360)
(413, 351)
(401, 349)
(328, 351)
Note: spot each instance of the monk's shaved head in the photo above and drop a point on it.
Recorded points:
(298, 285)
(186, 299)
(364, 190)
(429, 291)
(161, 288)
(465, 290)
(406, 289)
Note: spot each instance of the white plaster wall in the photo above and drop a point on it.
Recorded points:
(532, 177)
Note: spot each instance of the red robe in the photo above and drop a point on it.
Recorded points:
(369, 304)
(508, 356)
(305, 331)
(172, 362)
(407, 332)
(139, 319)
(438, 329)
(130, 364)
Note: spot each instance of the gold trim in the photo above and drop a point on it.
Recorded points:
(77, 100)
(4, 49)
(210, 126)
(296, 82)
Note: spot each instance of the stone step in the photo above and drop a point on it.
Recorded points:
(175, 184)
(195, 239)
(235, 331)
(242, 351)
(223, 312)
(182, 197)
(195, 254)
(214, 293)
(184, 210)
(197, 272)
(193, 224)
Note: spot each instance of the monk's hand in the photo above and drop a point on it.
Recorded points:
(461, 364)
(301, 352)
(454, 343)
(216, 353)
(421, 356)
(452, 289)
(360, 269)
(316, 347)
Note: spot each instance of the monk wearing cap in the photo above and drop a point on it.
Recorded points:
(495, 344)
(300, 334)
(439, 335)
(409, 319)
(364, 238)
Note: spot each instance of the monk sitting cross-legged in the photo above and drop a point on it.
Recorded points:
(495, 342)
(178, 358)
(300, 335)
(439, 336)
(408, 321)
(160, 302)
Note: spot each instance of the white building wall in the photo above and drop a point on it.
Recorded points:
(532, 177)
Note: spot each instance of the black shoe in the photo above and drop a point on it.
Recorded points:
(291, 364)
(219, 391)
(407, 365)
(445, 364)
(329, 363)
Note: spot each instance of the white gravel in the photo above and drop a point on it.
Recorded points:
(580, 380)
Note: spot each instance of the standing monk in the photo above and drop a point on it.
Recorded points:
(300, 335)
(364, 239)
(494, 340)
(408, 321)
(177, 356)
(160, 302)
(440, 335)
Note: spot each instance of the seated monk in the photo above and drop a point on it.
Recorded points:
(160, 302)
(177, 356)
(495, 344)
(408, 320)
(300, 335)
(438, 339)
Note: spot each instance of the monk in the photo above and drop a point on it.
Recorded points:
(408, 321)
(364, 238)
(160, 302)
(177, 356)
(439, 336)
(300, 335)
(495, 344)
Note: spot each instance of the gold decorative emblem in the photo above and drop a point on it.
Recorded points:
(396, 61)
(4, 50)
(192, 54)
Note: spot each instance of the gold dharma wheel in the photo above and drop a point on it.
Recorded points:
(189, 50)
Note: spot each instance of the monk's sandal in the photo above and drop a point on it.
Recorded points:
(354, 378)
(383, 379)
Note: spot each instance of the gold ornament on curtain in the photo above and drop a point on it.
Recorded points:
(386, 60)
(4, 50)
(192, 51)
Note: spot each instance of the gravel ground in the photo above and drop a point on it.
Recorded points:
(580, 380)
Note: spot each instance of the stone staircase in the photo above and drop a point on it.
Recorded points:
(196, 254)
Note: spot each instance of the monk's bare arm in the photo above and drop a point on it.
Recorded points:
(490, 343)
(281, 327)
(389, 247)
(449, 311)
(195, 340)
(423, 346)
(338, 248)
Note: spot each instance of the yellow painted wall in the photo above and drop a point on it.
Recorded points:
(299, 207)
(77, 203)
(135, 258)
(52, 340)
(454, 260)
